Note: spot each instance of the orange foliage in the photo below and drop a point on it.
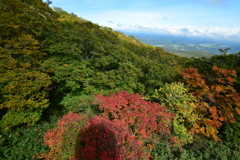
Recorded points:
(217, 99)
(64, 136)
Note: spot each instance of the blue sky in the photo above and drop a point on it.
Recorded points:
(212, 18)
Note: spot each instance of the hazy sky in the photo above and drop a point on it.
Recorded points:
(214, 18)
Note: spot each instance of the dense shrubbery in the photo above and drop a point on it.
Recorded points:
(127, 128)
(62, 140)
(25, 142)
(103, 139)
(217, 100)
(53, 63)
(149, 122)
(175, 97)
(204, 150)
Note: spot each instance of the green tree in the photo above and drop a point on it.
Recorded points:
(85, 59)
(23, 85)
(175, 96)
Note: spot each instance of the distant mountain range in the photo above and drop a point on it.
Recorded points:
(187, 46)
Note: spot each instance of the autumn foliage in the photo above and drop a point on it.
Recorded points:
(62, 139)
(127, 128)
(217, 99)
(53, 62)
(147, 121)
(106, 140)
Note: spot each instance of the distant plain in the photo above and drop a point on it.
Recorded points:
(180, 44)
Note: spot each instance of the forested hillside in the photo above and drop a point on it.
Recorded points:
(71, 89)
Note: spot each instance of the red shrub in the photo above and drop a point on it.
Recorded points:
(106, 140)
(62, 139)
(127, 125)
(147, 121)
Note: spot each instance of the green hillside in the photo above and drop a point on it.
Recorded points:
(71, 89)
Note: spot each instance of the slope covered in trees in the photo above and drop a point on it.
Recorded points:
(69, 87)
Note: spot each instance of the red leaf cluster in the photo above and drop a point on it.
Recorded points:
(106, 140)
(127, 128)
(145, 120)
(64, 135)
(53, 137)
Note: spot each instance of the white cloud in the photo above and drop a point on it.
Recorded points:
(184, 31)
(119, 25)
(230, 33)
(130, 17)
(165, 22)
